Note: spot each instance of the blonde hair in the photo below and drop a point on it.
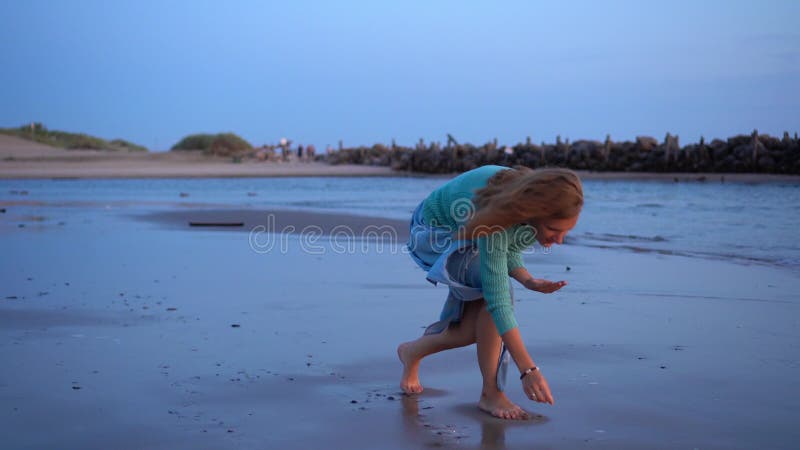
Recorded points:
(522, 194)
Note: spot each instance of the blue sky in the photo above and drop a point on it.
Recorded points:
(366, 72)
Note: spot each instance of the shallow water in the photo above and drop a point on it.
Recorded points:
(733, 221)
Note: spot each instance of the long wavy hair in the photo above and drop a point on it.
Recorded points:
(523, 194)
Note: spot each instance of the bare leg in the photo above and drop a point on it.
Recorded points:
(493, 401)
(457, 335)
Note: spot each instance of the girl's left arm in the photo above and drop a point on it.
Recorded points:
(521, 274)
(525, 278)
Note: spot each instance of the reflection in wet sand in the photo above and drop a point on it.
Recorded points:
(493, 430)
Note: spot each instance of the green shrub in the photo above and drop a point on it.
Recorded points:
(222, 144)
(122, 144)
(195, 142)
(37, 132)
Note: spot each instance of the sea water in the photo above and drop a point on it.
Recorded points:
(748, 223)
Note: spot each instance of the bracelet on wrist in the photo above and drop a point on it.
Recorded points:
(527, 371)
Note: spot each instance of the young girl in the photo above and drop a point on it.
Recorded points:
(468, 234)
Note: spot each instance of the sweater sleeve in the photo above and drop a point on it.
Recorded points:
(520, 238)
(494, 255)
(514, 260)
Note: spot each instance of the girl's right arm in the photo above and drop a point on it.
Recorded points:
(533, 384)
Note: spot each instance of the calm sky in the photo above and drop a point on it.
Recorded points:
(366, 72)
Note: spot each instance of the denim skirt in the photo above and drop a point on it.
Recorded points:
(456, 264)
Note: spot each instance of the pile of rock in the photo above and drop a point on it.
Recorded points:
(753, 154)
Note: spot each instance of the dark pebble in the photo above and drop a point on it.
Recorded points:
(230, 431)
(353, 401)
(390, 397)
(235, 325)
(569, 268)
(2, 210)
(11, 297)
(172, 309)
(663, 367)
(22, 225)
(76, 387)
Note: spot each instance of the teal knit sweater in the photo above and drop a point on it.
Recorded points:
(450, 206)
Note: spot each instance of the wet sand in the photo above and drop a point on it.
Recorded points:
(285, 222)
(132, 329)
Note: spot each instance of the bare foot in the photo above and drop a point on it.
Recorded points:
(498, 405)
(409, 382)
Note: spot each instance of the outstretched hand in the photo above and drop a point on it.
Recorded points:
(544, 286)
(535, 387)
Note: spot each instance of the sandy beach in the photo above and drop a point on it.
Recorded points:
(21, 159)
(129, 328)
(206, 209)
(25, 159)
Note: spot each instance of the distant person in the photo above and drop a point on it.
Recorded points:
(300, 153)
(468, 235)
(286, 152)
(310, 152)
